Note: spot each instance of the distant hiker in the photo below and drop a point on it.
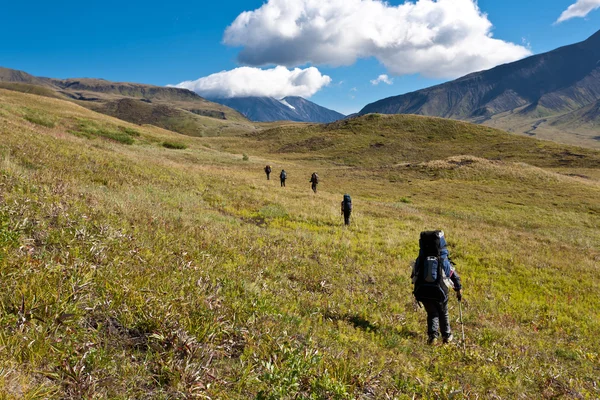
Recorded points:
(433, 275)
(347, 208)
(283, 177)
(268, 172)
(314, 179)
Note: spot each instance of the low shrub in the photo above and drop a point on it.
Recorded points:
(119, 134)
(174, 145)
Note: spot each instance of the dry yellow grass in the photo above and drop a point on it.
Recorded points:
(136, 271)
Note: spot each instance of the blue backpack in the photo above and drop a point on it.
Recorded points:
(429, 279)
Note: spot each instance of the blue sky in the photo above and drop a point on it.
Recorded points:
(169, 42)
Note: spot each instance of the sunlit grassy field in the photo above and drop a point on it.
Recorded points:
(134, 270)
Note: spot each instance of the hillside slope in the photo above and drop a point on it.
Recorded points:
(380, 140)
(132, 270)
(516, 96)
(12, 75)
(118, 99)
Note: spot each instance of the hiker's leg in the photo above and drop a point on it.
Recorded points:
(347, 218)
(444, 320)
(432, 318)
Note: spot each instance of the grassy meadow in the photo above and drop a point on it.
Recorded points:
(140, 263)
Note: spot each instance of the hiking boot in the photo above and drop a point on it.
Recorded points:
(431, 340)
(448, 338)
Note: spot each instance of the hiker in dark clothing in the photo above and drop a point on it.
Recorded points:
(433, 275)
(314, 179)
(268, 172)
(347, 208)
(283, 177)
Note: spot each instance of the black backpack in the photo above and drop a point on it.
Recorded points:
(314, 179)
(283, 175)
(347, 202)
(428, 273)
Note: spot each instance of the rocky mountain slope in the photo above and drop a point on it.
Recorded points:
(292, 108)
(529, 96)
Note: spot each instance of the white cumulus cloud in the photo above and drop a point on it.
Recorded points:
(436, 38)
(579, 10)
(382, 79)
(278, 82)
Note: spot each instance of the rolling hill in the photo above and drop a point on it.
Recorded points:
(291, 108)
(179, 110)
(540, 96)
(137, 262)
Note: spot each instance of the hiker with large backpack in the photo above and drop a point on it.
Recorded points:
(314, 179)
(347, 208)
(268, 172)
(283, 177)
(433, 276)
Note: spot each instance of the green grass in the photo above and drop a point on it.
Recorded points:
(90, 129)
(174, 145)
(136, 272)
(39, 118)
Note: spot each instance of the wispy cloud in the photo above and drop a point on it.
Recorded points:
(435, 38)
(382, 79)
(579, 10)
(276, 82)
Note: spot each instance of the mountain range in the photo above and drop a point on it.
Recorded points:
(176, 109)
(555, 95)
(179, 110)
(291, 108)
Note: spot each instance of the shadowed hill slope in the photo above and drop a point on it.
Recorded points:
(206, 122)
(137, 262)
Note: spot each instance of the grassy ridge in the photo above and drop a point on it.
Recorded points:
(375, 140)
(137, 271)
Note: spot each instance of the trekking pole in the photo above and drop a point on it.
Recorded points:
(462, 326)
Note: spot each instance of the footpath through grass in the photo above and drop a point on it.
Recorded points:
(139, 271)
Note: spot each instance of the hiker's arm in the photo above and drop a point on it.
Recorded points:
(452, 274)
(455, 278)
